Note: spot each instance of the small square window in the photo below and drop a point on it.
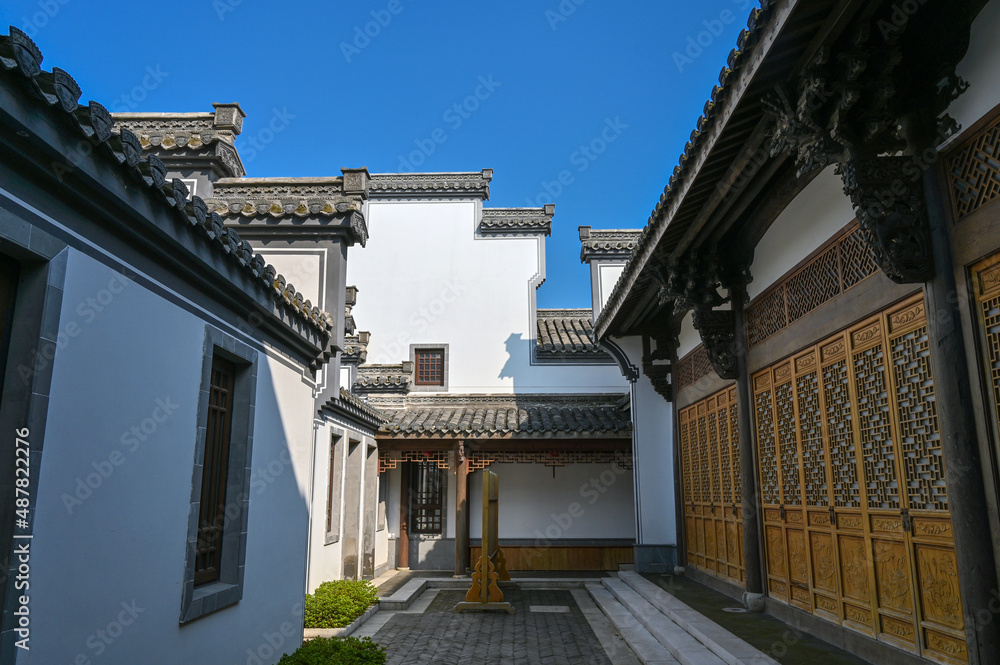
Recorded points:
(430, 367)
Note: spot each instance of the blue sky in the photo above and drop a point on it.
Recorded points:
(599, 94)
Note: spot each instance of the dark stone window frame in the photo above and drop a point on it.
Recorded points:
(200, 600)
(445, 367)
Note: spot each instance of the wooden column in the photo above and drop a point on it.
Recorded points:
(461, 511)
(404, 517)
(963, 464)
(753, 598)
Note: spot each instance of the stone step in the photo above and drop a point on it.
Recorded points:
(646, 647)
(731, 649)
(681, 645)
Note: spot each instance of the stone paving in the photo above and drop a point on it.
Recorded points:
(438, 635)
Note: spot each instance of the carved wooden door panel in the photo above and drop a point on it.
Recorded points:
(855, 505)
(710, 481)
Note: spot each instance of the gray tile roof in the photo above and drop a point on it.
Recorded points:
(608, 244)
(355, 348)
(56, 90)
(510, 416)
(567, 334)
(406, 185)
(384, 378)
(185, 132)
(496, 221)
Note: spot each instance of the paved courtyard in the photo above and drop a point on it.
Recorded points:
(550, 627)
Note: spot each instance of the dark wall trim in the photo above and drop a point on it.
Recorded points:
(199, 601)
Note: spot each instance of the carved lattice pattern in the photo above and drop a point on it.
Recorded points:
(787, 447)
(811, 432)
(764, 403)
(482, 459)
(878, 457)
(693, 366)
(713, 457)
(734, 447)
(919, 436)
(814, 285)
(856, 260)
(391, 459)
(710, 480)
(725, 464)
(862, 404)
(975, 171)
(840, 424)
(841, 264)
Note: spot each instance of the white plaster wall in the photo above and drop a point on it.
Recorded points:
(979, 68)
(126, 542)
(535, 505)
(425, 277)
(653, 456)
(325, 560)
(688, 338)
(305, 269)
(606, 279)
(813, 217)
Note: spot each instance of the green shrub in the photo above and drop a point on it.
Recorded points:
(336, 651)
(337, 604)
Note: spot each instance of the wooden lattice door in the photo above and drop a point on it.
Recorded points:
(710, 461)
(857, 527)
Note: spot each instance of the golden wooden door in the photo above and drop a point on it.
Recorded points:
(855, 506)
(710, 482)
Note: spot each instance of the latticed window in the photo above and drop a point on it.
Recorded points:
(426, 498)
(430, 367)
(215, 474)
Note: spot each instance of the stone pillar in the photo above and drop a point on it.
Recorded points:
(404, 516)
(963, 465)
(461, 511)
(753, 597)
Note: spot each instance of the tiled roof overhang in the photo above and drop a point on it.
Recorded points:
(295, 208)
(607, 244)
(40, 116)
(566, 334)
(510, 416)
(782, 34)
(431, 185)
(351, 407)
(502, 221)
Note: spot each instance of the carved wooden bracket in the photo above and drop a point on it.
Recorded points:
(850, 107)
(690, 282)
(656, 363)
(718, 332)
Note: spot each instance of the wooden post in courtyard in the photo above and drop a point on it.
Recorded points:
(403, 551)
(485, 595)
(461, 511)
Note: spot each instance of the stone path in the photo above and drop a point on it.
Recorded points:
(547, 637)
